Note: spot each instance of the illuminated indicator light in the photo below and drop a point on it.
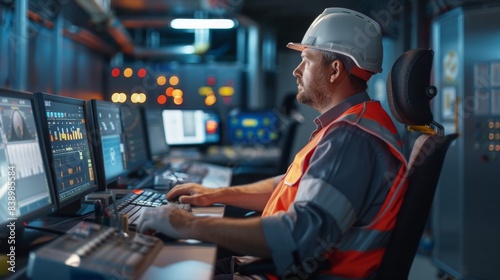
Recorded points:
(168, 91)
(491, 147)
(491, 125)
(134, 97)
(177, 93)
(123, 98)
(142, 97)
(226, 91)
(210, 100)
(274, 135)
(178, 100)
(162, 99)
(174, 80)
(239, 133)
(115, 72)
(211, 81)
(249, 122)
(491, 136)
(204, 91)
(128, 72)
(115, 97)
(161, 80)
(211, 126)
(141, 73)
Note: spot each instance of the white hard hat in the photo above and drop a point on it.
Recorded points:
(349, 33)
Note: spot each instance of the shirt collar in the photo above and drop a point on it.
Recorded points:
(333, 113)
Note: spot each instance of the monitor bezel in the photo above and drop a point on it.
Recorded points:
(154, 156)
(40, 98)
(100, 168)
(137, 166)
(51, 208)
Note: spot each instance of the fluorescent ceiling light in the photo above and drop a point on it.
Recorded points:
(201, 23)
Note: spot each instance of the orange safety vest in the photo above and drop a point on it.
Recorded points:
(353, 259)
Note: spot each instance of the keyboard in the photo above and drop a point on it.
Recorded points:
(132, 203)
(93, 251)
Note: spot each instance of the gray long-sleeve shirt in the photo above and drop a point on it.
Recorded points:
(344, 186)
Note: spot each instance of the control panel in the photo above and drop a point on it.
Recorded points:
(488, 139)
(93, 251)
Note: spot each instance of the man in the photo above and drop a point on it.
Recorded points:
(339, 198)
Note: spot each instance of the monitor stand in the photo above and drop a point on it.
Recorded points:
(78, 208)
(63, 220)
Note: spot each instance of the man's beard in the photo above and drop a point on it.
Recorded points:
(316, 99)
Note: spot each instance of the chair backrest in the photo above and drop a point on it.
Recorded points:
(409, 94)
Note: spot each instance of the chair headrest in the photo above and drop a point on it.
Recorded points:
(408, 87)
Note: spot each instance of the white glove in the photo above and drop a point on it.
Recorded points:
(158, 219)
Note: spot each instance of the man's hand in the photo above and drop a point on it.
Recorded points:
(191, 193)
(167, 219)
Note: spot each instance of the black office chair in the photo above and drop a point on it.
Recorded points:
(409, 93)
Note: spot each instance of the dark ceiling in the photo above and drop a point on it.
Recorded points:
(287, 20)
(136, 22)
(291, 18)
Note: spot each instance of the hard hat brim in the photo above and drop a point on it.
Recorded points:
(296, 46)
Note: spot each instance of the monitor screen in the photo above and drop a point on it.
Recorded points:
(156, 138)
(69, 152)
(135, 138)
(25, 187)
(259, 127)
(108, 142)
(191, 127)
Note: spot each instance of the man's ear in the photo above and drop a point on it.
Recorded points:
(336, 69)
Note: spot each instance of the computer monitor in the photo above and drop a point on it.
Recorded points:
(108, 142)
(25, 186)
(64, 125)
(253, 128)
(135, 137)
(191, 127)
(157, 145)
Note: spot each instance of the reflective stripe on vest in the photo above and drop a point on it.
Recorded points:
(360, 249)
